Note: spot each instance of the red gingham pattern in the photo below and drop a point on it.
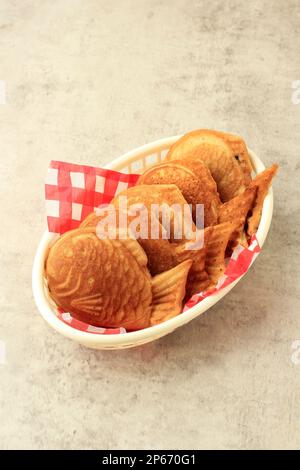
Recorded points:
(70, 187)
(73, 191)
(81, 326)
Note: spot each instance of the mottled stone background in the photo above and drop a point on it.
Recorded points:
(86, 81)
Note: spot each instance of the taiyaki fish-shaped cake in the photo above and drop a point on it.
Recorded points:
(162, 247)
(197, 187)
(150, 195)
(208, 259)
(215, 151)
(239, 148)
(162, 255)
(166, 253)
(106, 282)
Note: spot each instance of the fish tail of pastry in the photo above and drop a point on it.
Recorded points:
(215, 256)
(198, 279)
(168, 291)
(262, 182)
(236, 211)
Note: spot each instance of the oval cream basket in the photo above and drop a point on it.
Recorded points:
(135, 161)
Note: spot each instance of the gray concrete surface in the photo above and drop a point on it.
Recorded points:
(86, 81)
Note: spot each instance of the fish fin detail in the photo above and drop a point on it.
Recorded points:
(215, 256)
(236, 211)
(168, 291)
(262, 182)
(198, 279)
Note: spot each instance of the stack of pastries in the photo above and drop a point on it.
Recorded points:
(139, 282)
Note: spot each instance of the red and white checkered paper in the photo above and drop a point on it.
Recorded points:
(73, 191)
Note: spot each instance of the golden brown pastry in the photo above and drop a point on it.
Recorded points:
(262, 183)
(90, 221)
(105, 282)
(216, 250)
(198, 279)
(168, 247)
(219, 157)
(239, 148)
(236, 211)
(162, 255)
(197, 187)
(208, 260)
(211, 259)
(165, 253)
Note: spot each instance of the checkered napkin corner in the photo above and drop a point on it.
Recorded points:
(73, 191)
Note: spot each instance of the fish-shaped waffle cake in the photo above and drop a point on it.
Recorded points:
(196, 188)
(164, 253)
(219, 157)
(106, 282)
(165, 245)
(262, 183)
(199, 278)
(239, 148)
(236, 211)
